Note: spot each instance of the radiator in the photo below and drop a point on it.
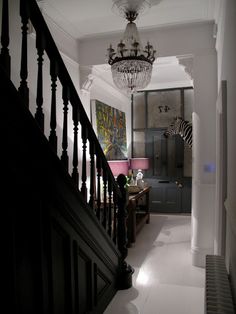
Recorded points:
(218, 295)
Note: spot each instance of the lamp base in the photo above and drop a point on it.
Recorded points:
(139, 175)
(141, 183)
(139, 179)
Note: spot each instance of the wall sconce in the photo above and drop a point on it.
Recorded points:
(139, 164)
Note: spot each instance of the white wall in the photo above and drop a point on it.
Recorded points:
(194, 39)
(204, 159)
(226, 51)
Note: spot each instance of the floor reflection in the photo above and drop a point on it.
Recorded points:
(164, 281)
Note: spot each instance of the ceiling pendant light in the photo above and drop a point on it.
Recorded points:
(131, 65)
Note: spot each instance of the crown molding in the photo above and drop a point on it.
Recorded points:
(187, 63)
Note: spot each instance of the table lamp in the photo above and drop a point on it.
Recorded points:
(139, 164)
(119, 166)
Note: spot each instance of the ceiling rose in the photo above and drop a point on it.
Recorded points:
(123, 6)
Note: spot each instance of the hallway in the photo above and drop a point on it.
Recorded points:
(164, 281)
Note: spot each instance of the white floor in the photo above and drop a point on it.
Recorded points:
(164, 281)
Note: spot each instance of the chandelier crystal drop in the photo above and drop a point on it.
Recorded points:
(131, 65)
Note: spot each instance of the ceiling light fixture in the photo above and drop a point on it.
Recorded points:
(131, 65)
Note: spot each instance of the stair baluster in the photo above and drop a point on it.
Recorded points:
(114, 236)
(39, 115)
(64, 156)
(92, 176)
(99, 171)
(53, 117)
(109, 207)
(104, 218)
(75, 173)
(5, 59)
(84, 163)
(23, 88)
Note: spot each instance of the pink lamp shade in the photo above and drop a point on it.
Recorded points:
(119, 166)
(139, 163)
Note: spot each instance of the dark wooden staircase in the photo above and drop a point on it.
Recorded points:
(64, 234)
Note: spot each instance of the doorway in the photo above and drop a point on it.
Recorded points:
(170, 172)
(171, 191)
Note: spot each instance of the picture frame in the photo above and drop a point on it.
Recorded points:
(163, 107)
(109, 124)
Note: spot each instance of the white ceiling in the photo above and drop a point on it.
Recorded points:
(83, 18)
(90, 18)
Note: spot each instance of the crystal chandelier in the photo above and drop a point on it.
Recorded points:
(131, 65)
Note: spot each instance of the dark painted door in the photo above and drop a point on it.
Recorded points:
(171, 191)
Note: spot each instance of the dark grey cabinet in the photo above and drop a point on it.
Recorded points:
(167, 197)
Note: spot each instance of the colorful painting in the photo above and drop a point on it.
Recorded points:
(111, 130)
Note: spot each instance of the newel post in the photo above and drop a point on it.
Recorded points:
(125, 278)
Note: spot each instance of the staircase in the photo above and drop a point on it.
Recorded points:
(63, 218)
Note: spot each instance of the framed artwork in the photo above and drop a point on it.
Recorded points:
(110, 126)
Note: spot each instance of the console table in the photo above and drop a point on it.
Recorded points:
(138, 213)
